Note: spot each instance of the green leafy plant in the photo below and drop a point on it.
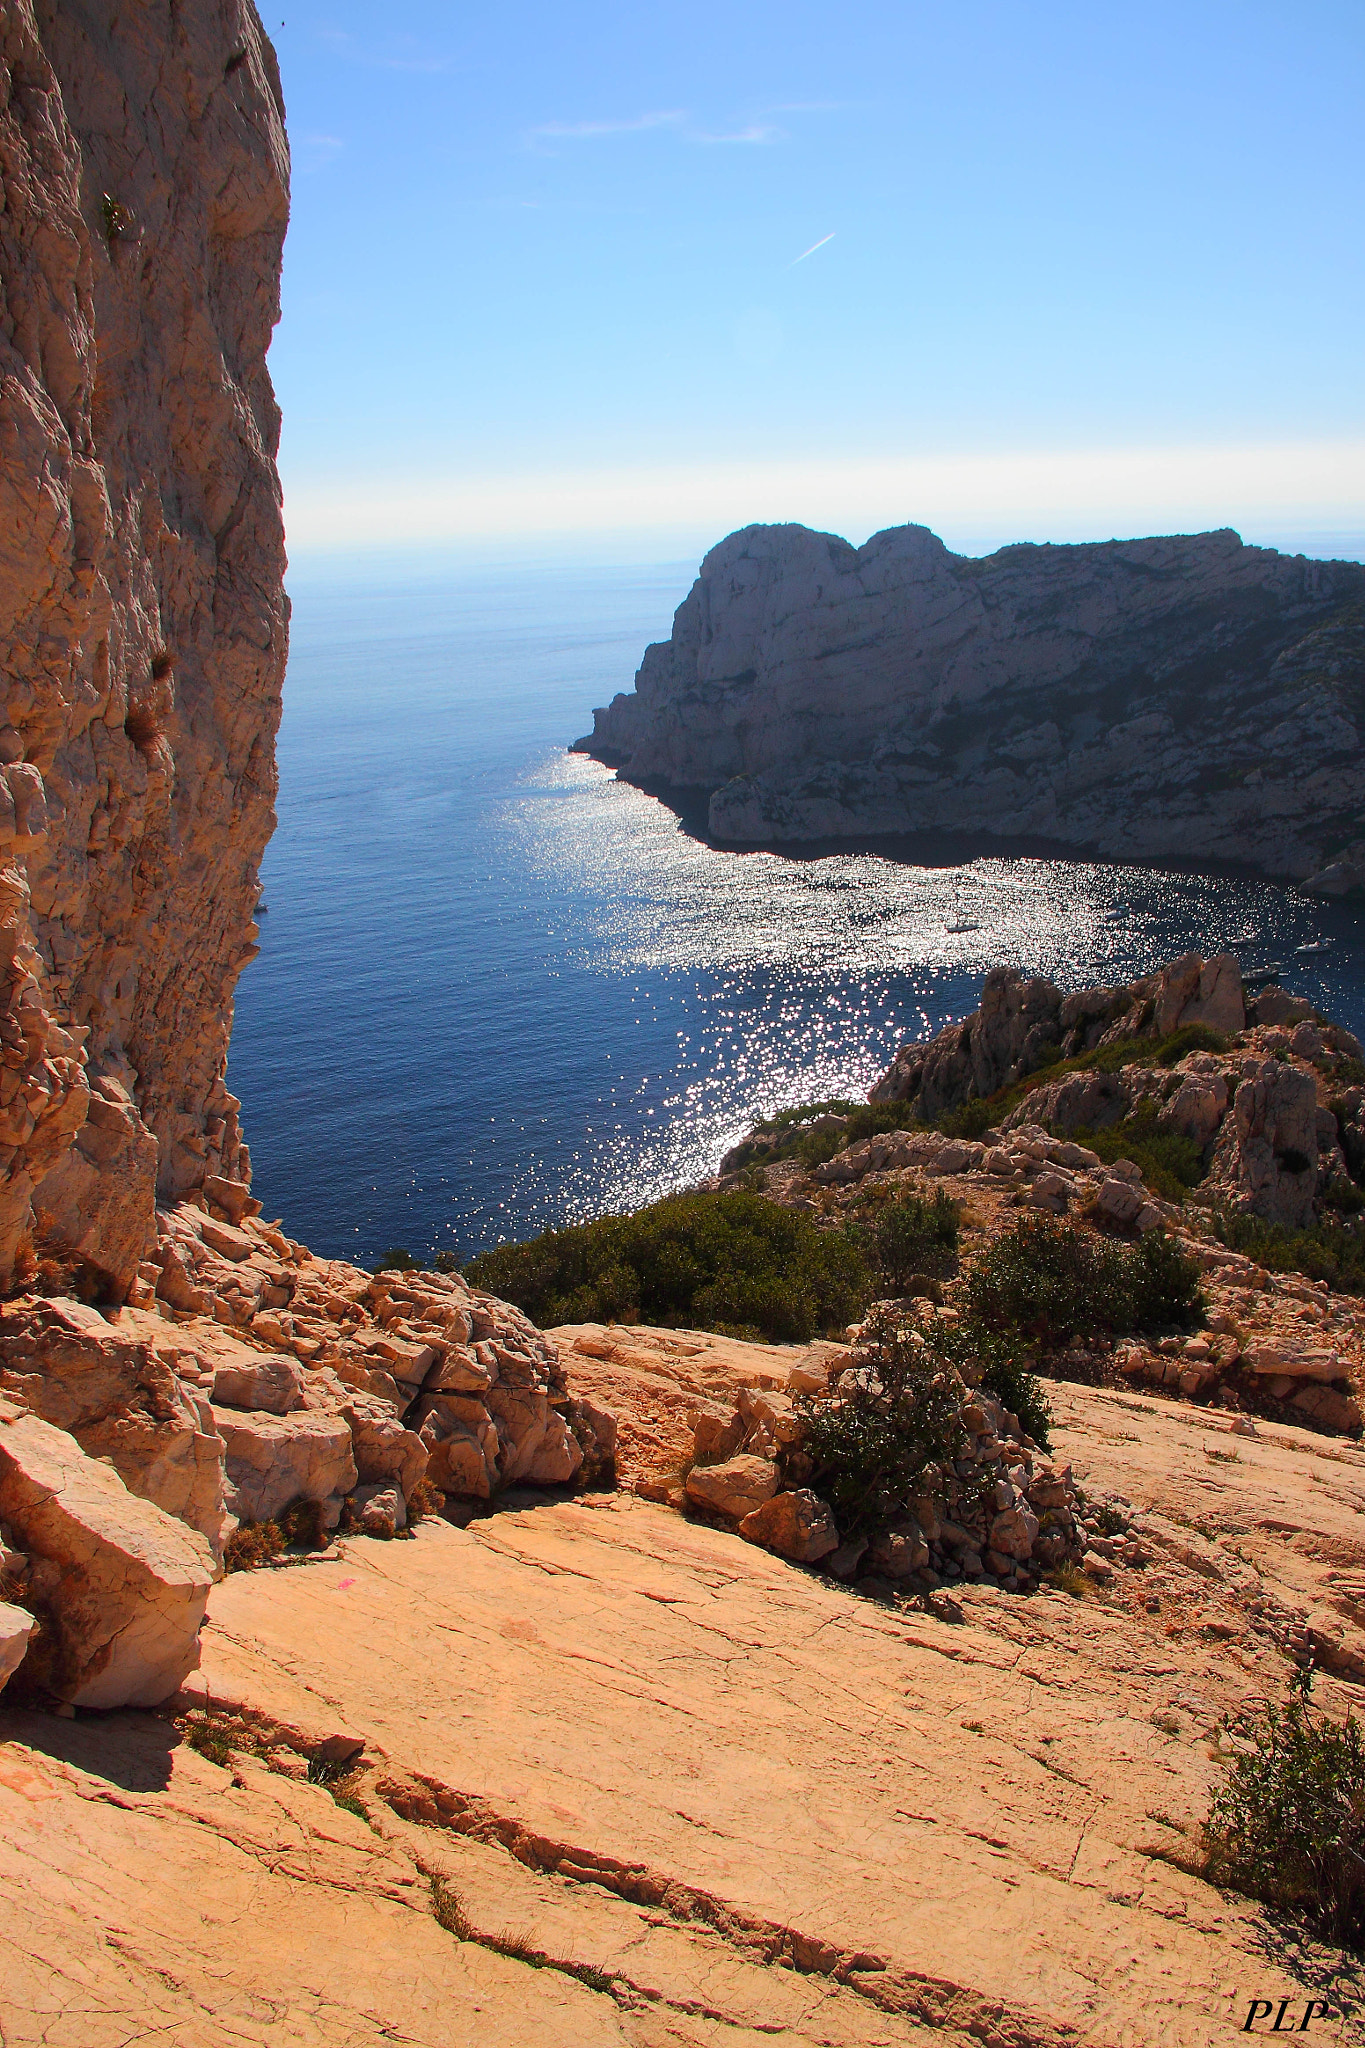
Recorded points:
(787, 1134)
(735, 1262)
(397, 1259)
(1288, 1825)
(1171, 1163)
(872, 1443)
(1050, 1281)
(911, 1234)
(1332, 1250)
(982, 1113)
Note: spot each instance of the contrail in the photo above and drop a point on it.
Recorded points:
(812, 249)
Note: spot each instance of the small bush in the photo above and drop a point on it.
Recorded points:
(1288, 1826)
(425, 1499)
(1189, 1038)
(1332, 1250)
(449, 1909)
(1171, 1163)
(1049, 1281)
(397, 1259)
(795, 1141)
(209, 1743)
(911, 1234)
(872, 1445)
(1006, 1375)
(254, 1543)
(735, 1262)
(979, 1115)
(299, 1527)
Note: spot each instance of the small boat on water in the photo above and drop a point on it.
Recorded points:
(964, 924)
(1266, 973)
(1318, 946)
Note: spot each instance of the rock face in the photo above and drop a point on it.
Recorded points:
(118, 1391)
(1025, 1023)
(1183, 697)
(125, 1585)
(142, 615)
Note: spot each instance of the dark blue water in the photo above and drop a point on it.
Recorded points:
(499, 990)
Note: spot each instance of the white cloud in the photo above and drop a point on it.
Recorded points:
(1040, 494)
(633, 124)
(757, 132)
(676, 118)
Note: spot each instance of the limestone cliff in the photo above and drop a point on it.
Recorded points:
(1183, 698)
(143, 622)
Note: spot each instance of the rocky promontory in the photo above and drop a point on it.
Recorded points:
(1180, 698)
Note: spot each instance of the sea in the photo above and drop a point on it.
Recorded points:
(499, 991)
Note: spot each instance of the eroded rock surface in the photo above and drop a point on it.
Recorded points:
(1181, 697)
(967, 1804)
(142, 614)
(124, 1585)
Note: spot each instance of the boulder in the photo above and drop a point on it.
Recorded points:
(797, 1525)
(1118, 1201)
(124, 1585)
(1014, 1531)
(234, 1197)
(113, 1386)
(717, 1434)
(595, 1429)
(734, 1488)
(899, 1551)
(535, 1442)
(558, 1456)
(274, 1460)
(265, 1382)
(386, 1454)
(1266, 1158)
(99, 1201)
(1197, 1108)
(1282, 1361)
(1194, 991)
(1274, 1005)
(1078, 1102)
(464, 1464)
(1335, 1410)
(459, 1372)
(16, 1626)
(380, 1510)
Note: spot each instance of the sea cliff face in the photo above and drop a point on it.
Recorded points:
(143, 622)
(1179, 698)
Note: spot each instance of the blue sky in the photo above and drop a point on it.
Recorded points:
(1082, 269)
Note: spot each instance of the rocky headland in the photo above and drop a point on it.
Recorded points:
(380, 1665)
(1183, 698)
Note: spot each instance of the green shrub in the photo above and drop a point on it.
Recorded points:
(982, 1113)
(397, 1259)
(976, 1117)
(813, 1148)
(1049, 1281)
(1288, 1826)
(1005, 1373)
(1332, 1250)
(735, 1262)
(910, 1234)
(1189, 1038)
(1171, 1163)
(873, 1445)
